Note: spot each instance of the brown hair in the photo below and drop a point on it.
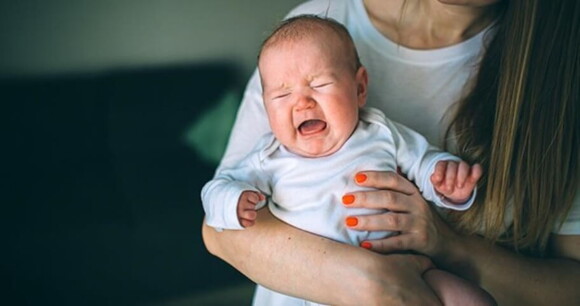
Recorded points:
(521, 121)
(302, 26)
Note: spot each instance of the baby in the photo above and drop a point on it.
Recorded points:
(314, 90)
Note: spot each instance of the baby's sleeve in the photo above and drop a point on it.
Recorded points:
(417, 159)
(220, 196)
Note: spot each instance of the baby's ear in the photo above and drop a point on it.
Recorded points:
(362, 85)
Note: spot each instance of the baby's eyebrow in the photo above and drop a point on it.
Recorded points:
(281, 87)
(326, 75)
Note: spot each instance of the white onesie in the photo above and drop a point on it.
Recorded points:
(306, 192)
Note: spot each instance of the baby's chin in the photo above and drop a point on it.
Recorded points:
(315, 152)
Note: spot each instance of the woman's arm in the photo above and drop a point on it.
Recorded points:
(514, 279)
(511, 278)
(294, 262)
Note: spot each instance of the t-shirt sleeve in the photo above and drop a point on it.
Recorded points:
(571, 224)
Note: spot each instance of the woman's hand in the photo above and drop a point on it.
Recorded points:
(420, 227)
(294, 262)
(396, 279)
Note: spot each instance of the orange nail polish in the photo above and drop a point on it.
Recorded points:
(360, 177)
(366, 245)
(348, 199)
(351, 221)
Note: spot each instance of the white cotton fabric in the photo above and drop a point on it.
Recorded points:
(571, 224)
(394, 75)
(306, 192)
(413, 87)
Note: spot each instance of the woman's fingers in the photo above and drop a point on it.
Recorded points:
(388, 221)
(385, 180)
(404, 274)
(404, 212)
(423, 263)
(376, 199)
(395, 243)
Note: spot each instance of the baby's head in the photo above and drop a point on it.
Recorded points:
(313, 84)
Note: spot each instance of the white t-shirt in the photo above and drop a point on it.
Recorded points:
(413, 87)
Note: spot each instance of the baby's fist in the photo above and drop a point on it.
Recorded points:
(247, 207)
(455, 180)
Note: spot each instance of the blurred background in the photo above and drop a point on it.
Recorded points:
(116, 114)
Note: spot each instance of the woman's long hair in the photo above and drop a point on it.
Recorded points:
(521, 121)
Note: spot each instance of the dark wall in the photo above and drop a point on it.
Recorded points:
(101, 196)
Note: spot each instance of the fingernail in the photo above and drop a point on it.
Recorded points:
(351, 221)
(360, 177)
(366, 245)
(348, 199)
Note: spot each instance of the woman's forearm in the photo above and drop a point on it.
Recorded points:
(514, 279)
(297, 263)
(285, 259)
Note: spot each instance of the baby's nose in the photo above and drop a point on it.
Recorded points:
(304, 103)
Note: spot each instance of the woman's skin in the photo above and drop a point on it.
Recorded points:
(291, 261)
(430, 24)
(511, 279)
(295, 262)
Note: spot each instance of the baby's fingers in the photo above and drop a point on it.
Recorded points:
(450, 176)
(462, 173)
(254, 197)
(247, 223)
(475, 175)
(248, 214)
(439, 173)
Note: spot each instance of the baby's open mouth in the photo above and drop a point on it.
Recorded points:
(310, 127)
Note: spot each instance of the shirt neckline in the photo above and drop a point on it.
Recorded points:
(467, 48)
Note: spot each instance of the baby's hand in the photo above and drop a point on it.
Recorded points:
(247, 207)
(455, 180)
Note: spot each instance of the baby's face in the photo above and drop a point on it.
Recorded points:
(311, 94)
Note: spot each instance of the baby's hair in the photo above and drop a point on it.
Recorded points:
(302, 26)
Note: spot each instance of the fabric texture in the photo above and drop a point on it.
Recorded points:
(306, 192)
(414, 87)
(394, 71)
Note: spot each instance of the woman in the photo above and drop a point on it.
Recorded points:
(519, 119)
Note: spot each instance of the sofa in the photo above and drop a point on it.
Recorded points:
(101, 185)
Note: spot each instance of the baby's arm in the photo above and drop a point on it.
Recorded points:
(419, 161)
(236, 191)
(455, 180)
(247, 207)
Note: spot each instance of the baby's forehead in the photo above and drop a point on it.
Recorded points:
(326, 35)
(305, 30)
(327, 40)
